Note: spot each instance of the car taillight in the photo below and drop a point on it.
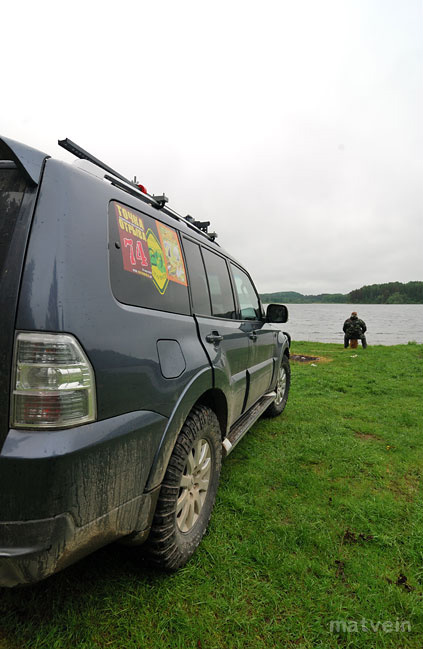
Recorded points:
(53, 382)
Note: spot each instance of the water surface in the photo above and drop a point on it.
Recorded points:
(387, 324)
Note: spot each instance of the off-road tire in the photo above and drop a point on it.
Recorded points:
(169, 546)
(282, 389)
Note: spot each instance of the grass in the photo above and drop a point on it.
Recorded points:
(319, 518)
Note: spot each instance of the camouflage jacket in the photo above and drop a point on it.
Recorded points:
(354, 327)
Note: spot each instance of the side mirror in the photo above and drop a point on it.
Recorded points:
(277, 313)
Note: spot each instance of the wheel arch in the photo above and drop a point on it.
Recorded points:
(198, 392)
(215, 399)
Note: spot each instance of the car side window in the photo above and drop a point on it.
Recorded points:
(247, 296)
(197, 278)
(222, 299)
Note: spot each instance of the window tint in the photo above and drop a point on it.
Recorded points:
(220, 285)
(247, 297)
(146, 263)
(197, 278)
(12, 188)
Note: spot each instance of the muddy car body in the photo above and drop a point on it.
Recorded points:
(129, 342)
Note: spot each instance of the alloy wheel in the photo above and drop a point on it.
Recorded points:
(194, 485)
(280, 386)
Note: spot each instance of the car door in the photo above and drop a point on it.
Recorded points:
(222, 334)
(262, 337)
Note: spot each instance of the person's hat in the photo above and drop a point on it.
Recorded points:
(354, 313)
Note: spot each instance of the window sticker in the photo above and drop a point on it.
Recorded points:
(133, 242)
(158, 263)
(151, 251)
(175, 269)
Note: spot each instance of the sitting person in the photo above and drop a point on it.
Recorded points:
(354, 329)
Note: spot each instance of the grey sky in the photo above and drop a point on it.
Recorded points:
(295, 128)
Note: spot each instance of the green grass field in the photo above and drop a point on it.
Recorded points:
(318, 524)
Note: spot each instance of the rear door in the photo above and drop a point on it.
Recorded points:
(262, 337)
(222, 334)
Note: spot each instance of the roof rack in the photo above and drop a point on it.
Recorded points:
(201, 225)
(137, 190)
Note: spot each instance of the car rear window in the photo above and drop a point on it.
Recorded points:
(147, 267)
(12, 189)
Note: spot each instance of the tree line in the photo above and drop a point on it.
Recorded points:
(389, 293)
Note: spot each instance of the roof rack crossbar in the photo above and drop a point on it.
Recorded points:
(79, 152)
(133, 188)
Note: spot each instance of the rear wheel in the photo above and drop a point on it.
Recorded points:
(188, 491)
(281, 389)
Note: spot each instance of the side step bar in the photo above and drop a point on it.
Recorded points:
(244, 424)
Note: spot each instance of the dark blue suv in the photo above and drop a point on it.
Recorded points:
(135, 353)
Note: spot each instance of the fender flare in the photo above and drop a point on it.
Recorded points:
(199, 384)
(284, 345)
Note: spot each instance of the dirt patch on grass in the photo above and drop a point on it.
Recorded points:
(405, 487)
(402, 581)
(302, 358)
(360, 435)
(340, 567)
(355, 537)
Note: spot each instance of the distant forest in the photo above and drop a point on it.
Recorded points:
(391, 293)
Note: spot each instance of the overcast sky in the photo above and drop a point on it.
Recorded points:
(294, 127)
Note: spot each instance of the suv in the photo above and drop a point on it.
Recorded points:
(135, 353)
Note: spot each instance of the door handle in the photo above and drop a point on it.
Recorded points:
(214, 338)
(253, 336)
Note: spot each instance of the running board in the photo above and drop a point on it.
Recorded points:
(244, 424)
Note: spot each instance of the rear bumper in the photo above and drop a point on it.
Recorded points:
(66, 493)
(26, 546)
(33, 550)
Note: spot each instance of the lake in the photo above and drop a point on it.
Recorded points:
(387, 324)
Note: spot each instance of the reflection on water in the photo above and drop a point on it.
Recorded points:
(387, 324)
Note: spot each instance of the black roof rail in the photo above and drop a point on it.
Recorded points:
(79, 152)
(133, 188)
